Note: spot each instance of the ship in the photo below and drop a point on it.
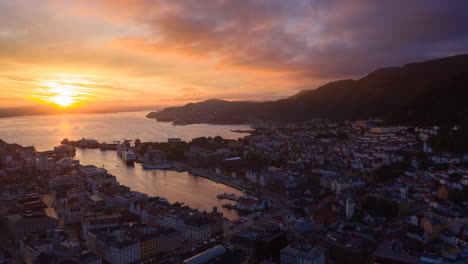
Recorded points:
(125, 153)
(156, 166)
(229, 206)
(128, 156)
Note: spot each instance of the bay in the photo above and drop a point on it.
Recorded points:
(45, 132)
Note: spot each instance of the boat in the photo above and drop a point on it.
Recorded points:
(242, 131)
(156, 166)
(129, 156)
(122, 148)
(229, 206)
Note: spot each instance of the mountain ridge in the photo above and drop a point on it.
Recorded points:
(424, 92)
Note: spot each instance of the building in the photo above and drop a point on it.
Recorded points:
(113, 245)
(44, 163)
(170, 240)
(389, 252)
(249, 203)
(350, 207)
(74, 210)
(433, 226)
(197, 228)
(217, 223)
(206, 256)
(31, 249)
(303, 254)
(443, 192)
(33, 222)
(126, 198)
(32, 215)
(98, 222)
(261, 242)
(149, 245)
(129, 243)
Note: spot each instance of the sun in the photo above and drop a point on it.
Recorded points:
(67, 91)
(62, 100)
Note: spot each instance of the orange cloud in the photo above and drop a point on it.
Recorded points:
(143, 51)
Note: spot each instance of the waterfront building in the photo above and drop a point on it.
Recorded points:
(249, 203)
(125, 199)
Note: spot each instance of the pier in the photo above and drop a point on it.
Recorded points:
(227, 196)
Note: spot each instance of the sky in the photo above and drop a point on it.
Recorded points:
(103, 53)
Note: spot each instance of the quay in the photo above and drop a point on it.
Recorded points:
(227, 196)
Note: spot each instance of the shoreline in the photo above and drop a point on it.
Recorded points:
(179, 166)
(200, 173)
(58, 114)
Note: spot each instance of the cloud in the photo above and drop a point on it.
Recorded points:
(307, 39)
(258, 49)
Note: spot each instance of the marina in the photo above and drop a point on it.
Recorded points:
(176, 186)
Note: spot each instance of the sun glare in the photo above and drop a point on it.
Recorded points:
(63, 92)
(62, 100)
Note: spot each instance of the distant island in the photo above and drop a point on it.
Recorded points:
(430, 92)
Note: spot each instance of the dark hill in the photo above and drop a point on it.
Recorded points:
(429, 92)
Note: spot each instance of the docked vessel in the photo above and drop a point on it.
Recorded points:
(156, 166)
(129, 156)
(125, 152)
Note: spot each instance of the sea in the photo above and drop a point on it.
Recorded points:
(46, 131)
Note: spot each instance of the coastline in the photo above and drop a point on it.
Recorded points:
(179, 166)
(206, 175)
(68, 113)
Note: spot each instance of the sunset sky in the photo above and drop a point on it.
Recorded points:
(156, 52)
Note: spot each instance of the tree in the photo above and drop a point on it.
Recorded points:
(137, 141)
(392, 171)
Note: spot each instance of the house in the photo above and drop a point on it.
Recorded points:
(433, 226)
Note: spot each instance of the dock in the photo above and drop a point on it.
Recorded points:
(227, 196)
